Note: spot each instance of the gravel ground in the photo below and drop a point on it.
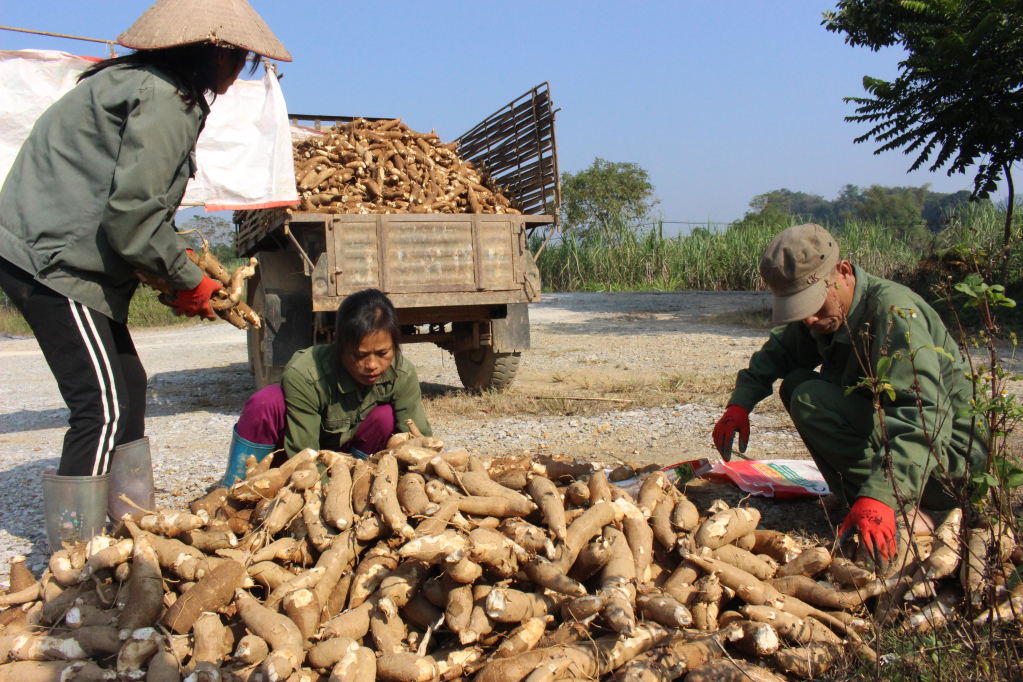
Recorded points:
(583, 344)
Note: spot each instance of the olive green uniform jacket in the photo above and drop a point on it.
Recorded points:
(887, 320)
(92, 193)
(325, 405)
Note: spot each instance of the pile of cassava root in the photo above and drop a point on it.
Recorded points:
(385, 167)
(421, 565)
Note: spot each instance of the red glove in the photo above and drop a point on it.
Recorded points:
(735, 418)
(875, 522)
(197, 301)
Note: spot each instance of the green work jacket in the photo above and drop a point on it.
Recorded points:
(325, 405)
(879, 330)
(92, 193)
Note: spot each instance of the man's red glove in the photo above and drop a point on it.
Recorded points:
(735, 418)
(197, 301)
(875, 522)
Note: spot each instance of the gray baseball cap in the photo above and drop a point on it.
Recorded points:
(795, 266)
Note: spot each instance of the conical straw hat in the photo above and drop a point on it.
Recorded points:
(170, 23)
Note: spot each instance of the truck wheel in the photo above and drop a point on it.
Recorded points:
(265, 375)
(483, 369)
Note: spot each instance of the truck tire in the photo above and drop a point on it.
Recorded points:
(483, 369)
(264, 374)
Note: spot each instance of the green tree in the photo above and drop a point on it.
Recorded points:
(605, 201)
(897, 206)
(938, 208)
(218, 231)
(957, 100)
(901, 209)
(911, 212)
(784, 202)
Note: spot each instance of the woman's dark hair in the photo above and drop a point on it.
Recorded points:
(361, 314)
(193, 67)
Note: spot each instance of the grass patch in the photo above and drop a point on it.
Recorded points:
(674, 389)
(11, 322)
(695, 384)
(145, 311)
(953, 654)
(511, 404)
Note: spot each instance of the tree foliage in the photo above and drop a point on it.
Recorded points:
(912, 213)
(958, 99)
(605, 201)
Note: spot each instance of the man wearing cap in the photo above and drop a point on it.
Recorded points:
(90, 200)
(841, 319)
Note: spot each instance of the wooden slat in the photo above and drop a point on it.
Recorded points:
(510, 124)
(498, 165)
(506, 115)
(531, 169)
(516, 147)
(499, 139)
(510, 151)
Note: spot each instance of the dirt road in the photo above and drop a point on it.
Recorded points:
(667, 358)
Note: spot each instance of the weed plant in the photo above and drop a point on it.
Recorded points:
(973, 644)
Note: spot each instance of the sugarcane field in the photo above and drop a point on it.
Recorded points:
(392, 392)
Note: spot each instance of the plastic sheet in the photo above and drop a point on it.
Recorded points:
(30, 81)
(244, 153)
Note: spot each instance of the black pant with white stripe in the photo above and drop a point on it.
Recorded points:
(97, 369)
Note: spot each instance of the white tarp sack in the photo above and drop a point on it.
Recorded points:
(244, 152)
(30, 81)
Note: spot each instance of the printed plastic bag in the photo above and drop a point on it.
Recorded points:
(772, 478)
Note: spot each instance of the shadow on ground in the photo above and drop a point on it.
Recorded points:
(21, 509)
(805, 516)
(440, 390)
(220, 390)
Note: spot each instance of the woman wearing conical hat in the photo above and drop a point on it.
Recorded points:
(90, 199)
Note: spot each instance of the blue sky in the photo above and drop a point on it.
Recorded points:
(718, 101)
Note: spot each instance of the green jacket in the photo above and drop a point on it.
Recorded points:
(878, 331)
(92, 194)
(325, 405)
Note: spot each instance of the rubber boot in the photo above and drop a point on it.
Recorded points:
(75, 508)
(239, 452)
(131, 475)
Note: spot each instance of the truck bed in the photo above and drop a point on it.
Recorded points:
(419, 260)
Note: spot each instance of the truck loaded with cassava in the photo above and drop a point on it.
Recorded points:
(442, 229)
(422, 564)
